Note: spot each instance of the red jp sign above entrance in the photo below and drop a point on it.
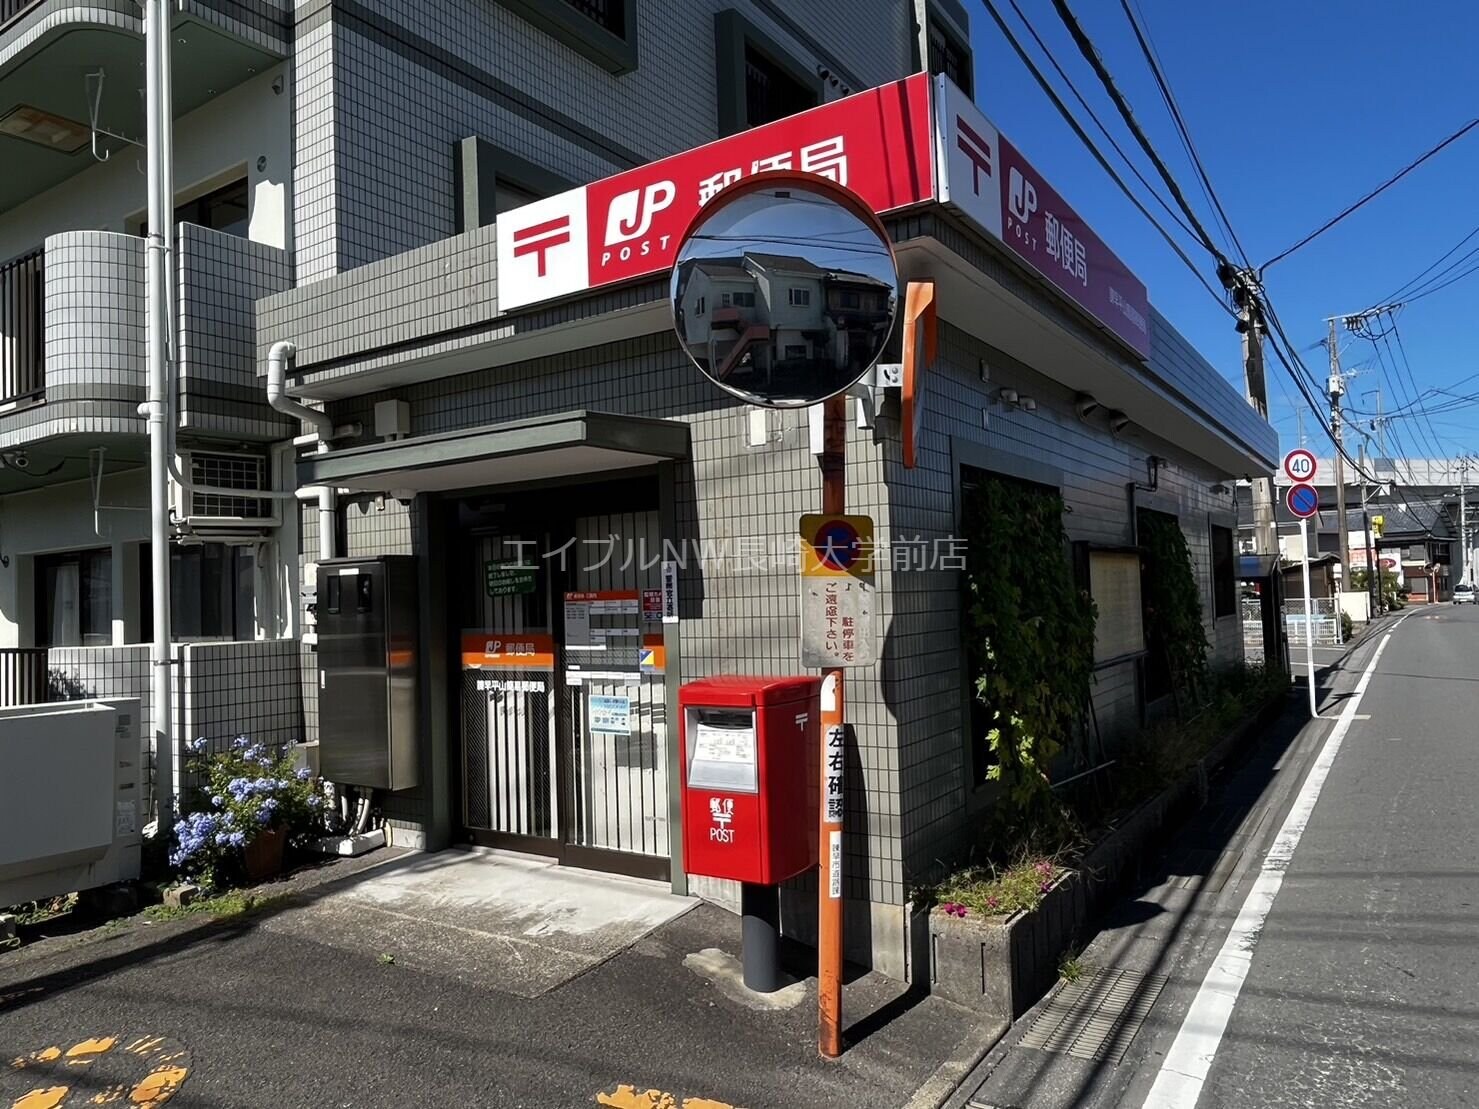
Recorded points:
(895, 146)
(876, 143)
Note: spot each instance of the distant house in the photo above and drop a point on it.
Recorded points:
(760, 314)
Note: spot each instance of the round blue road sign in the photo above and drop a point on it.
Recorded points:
(1303, 500)
(837, 545)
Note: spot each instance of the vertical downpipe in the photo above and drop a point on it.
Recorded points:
(156, 37)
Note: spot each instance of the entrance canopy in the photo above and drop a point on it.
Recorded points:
(553, 446)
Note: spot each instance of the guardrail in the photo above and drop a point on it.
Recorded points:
(22, 323)
(9, 9)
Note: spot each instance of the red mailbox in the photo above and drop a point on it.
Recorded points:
(750, 780)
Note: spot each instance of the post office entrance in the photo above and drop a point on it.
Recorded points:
(556, 598)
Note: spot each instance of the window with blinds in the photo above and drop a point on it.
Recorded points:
(1114, 583)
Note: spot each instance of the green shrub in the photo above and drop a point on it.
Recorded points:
(1030, 638)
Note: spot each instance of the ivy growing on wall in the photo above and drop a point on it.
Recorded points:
(1174, 633)
(1029, 634)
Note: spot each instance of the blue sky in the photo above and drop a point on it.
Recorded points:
(1297, 109)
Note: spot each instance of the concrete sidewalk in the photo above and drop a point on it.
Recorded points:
(458, 979)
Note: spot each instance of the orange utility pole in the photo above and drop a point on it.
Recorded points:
(833, 741)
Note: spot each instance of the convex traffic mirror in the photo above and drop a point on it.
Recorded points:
(785, 290)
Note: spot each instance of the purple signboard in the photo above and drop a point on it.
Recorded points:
(981, 173)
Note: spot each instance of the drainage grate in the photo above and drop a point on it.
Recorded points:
(1097, 1016)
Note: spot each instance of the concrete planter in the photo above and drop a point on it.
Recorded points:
(1002, 965)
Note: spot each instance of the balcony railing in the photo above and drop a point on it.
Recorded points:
(23, 676)
(9, 9)
(22, 325)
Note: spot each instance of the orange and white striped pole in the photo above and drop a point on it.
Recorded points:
(833, 744)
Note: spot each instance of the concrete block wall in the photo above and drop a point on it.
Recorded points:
(221, 278)
(263, 22)
(94, 314)
(243, 688)
(386, 87)
(221, 690)
(1097, 469)
(79, 673)
(443, 286)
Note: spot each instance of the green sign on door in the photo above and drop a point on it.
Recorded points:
(506, 580)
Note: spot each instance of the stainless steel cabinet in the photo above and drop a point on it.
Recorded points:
(368, 653)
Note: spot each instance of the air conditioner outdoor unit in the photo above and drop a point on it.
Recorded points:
(209, 513)
(71, 804)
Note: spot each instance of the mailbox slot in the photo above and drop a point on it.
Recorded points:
(721, 751)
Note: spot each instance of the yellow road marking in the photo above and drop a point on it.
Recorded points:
(163, 1063)
(629, 1097)
(88, 1050)
(159, 1086)
(48, 1098)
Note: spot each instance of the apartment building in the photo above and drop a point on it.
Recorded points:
(502, 407)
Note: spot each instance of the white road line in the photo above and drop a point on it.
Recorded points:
(1179, 1082)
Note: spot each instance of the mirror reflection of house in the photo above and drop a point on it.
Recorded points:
(760, 318)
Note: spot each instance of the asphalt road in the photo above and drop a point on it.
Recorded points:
(1318, 923)
(291, 1008)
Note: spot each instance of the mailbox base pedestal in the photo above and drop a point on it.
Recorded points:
(760, 937)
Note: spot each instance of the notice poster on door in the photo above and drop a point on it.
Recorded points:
(611, 715)
(603, 635)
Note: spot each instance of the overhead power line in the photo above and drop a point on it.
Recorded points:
(1098, 155)
(1091, 55)
(1245, 283)
(1430, 289)
(1388, 183)
(1408, 286)
(1152, 59)
(1083, 103)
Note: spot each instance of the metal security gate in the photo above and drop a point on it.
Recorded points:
(510, 771)
(562, 683)
(615, 686)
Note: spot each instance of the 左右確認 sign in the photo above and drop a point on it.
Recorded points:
(898, 145)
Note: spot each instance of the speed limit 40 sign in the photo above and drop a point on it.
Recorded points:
(1300, 465)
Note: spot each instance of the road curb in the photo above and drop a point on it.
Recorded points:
(951, 1075)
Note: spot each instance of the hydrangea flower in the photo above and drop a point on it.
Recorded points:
(240, 742)
(303, 774)
(196, 746)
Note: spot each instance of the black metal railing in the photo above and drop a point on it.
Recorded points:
(9, 9)
(23, 676)
(22, 327)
